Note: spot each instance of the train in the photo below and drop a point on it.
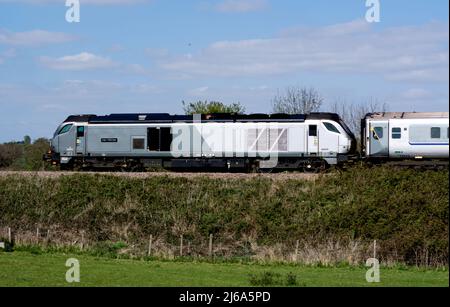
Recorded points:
(247, 143)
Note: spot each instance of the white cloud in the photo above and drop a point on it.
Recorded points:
(400, 53)
(416, 93)
(91, 87)
(82, 61)
(33, 38)
(241, 6)
(157, 53)
(135, 69)
(435, 74)
(199, 92)
(146, 89)
(9, 53)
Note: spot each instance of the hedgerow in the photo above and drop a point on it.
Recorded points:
(406, 211)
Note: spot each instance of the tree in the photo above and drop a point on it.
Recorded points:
(22, 156)
(211, 107)
(33, 155)
(27, 140)
(352, 113)
(297, 100)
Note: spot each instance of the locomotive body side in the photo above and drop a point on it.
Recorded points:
(178, 141)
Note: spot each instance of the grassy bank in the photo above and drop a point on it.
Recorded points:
(334, 218)
(25, 269)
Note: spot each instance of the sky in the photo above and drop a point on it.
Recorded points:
(147, 56)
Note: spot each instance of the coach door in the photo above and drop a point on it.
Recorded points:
(379, 139)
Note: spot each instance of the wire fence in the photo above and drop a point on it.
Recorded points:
(331, 252)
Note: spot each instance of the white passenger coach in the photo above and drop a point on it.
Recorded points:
(400, 136)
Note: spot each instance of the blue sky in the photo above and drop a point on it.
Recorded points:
(149, 55)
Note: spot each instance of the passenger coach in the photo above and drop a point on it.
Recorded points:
(405, 136)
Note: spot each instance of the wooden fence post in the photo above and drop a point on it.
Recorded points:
(37, 235)
(150, 242)
(9, 235)
(82, 241)
(296, 251)
(181, 246)
(375, 249)
(210, 251)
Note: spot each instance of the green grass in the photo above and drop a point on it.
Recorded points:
(27, 269)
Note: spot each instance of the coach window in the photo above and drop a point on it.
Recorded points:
(435, 133)
(65, 129)
(378, 133)
(312, 130)
(138, 143)
(331, 127)
(396, 133)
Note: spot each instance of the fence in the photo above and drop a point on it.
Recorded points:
(352, 252)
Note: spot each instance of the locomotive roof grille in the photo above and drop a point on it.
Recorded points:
(167, 118)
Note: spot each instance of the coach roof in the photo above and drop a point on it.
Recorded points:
(407, 115)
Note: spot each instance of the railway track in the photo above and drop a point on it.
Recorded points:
(274, 176)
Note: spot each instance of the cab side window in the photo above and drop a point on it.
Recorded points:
(80, 131)
(331, 127)
(65, 129)
(313, 130)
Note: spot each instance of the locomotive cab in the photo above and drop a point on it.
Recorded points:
(68, 140)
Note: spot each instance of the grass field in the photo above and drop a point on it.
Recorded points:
(27, 269)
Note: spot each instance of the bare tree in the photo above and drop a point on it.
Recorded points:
(352, 113)
(297, 100)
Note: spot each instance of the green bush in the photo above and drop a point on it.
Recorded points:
(25, 155)
(291, 279)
